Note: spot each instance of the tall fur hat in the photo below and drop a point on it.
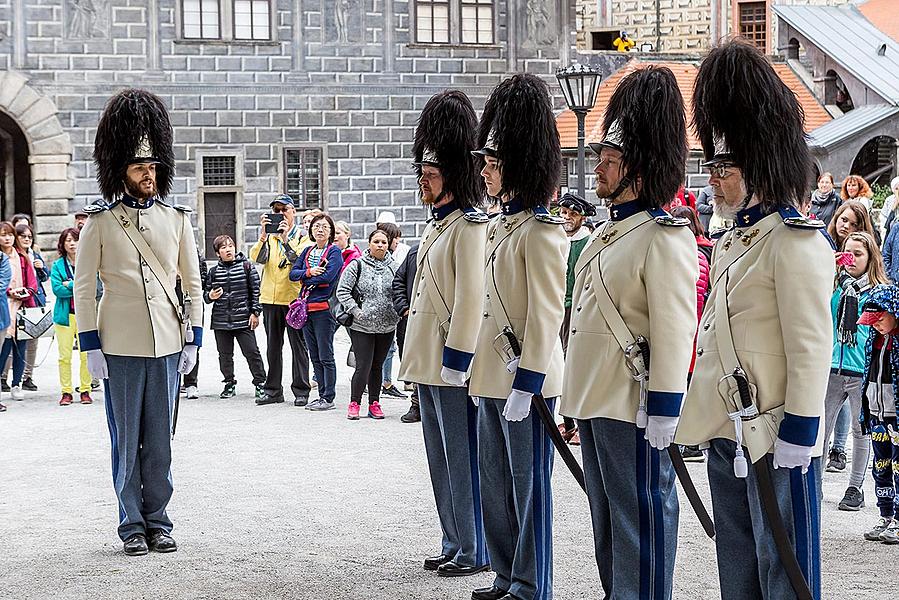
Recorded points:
(444, 138)
(134, 128)
(518, 127)
(745, 115)
(645, 121)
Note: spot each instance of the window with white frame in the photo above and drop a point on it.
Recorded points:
(477, 21)
(201, 19)
(454, 21)
(252, 20)
(303, 171)
(227, 20)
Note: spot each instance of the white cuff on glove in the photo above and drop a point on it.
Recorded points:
(188, 359)
(789, 455)
(518, 406)
(660, 431)
(453, 377)
(96, 364)
(512, 365)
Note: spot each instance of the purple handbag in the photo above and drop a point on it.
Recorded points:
(298, 313)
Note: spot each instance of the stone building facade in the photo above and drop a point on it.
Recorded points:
(316, 98)
(680, 26)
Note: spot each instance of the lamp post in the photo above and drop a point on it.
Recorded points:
(579, 84)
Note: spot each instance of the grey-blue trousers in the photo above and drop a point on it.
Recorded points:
(515, 461)
(749, 566)
(140, 396)
(634, 509)
(449, 422)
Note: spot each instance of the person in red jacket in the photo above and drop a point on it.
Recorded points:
(703, 255)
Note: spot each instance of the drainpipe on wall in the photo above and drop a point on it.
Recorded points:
(658, 25)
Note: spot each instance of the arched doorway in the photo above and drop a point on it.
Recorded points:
(35, 154)
(15, 170)
(876, 161)
(836, 92)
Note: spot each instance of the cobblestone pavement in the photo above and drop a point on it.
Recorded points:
(278, 502)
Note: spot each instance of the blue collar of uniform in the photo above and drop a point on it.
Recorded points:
(512, 207)
(134, 203)
(444, 211)
(789, 212)
(750, 216)
(620, 212)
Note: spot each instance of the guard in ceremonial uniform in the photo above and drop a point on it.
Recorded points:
(444, 315)
(634, 297)
(518, 359)
(761, 367)
(139, 338)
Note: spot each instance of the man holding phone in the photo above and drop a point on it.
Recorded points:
(279, 245)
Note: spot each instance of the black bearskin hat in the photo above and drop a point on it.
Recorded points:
(743, 108)
(518, 126)
(645, 121)
(134, 128)
(444, 138)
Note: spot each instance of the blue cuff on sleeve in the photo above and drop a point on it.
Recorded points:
(664, 404)
(89, 340)
(801, 431)
(456, 359)
(198, 337)
(528, 381)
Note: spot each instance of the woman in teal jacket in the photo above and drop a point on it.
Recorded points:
(62, 276)
(860, 268)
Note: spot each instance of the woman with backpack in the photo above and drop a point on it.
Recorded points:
(318, 267)
(232, 287)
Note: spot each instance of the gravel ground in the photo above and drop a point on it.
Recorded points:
(278, 502)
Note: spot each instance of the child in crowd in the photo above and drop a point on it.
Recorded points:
(232, 286)
(878, 410)
(62, 278)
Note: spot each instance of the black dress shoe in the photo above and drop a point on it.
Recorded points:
(269, 399)
(136, 545)
(433, 562)
(451, 569)
(301, 401)
(489, 593)
(160, 541)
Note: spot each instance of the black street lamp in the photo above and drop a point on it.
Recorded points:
(579, 84)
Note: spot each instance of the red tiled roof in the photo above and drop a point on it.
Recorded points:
(884, 15)
(685, 73)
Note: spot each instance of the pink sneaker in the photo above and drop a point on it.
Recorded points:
(374, 411)
(352, 412)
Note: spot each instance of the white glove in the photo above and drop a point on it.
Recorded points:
(188, 359)
(789, 455)
(512, 365)
(518, 406)
(453, 377)
(96, 364)
(660, 431)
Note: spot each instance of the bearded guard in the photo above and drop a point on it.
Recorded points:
(140, 337)
(760, 377)
(524, 291)
(635, 291)
(444, 315)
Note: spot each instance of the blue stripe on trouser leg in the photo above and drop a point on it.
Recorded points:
(516, 497)
(634, 510)
(114, 446)
(432, 432)
(471, 412)
(139, 397)
(806, 529)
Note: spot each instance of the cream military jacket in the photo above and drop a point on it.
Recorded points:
(780, 272)
(526, 260)
(648, 263)
(135, 317)
(450, 271)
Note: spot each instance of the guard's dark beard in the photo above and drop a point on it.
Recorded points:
(137, 192)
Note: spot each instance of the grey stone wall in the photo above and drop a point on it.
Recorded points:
(356, 91)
